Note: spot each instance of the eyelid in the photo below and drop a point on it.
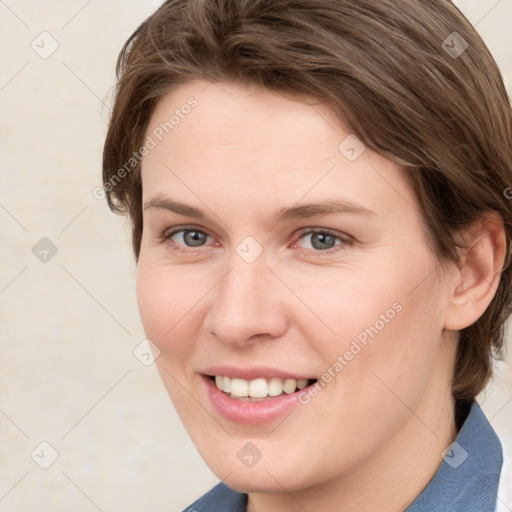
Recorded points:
(331, 232)
(172, 231)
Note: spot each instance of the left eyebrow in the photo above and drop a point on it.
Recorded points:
(302, 211)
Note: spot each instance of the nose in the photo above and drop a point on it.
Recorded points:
(247, 305)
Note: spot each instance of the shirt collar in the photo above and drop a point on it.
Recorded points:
(468, 478)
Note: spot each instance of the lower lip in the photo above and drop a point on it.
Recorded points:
(250, 413)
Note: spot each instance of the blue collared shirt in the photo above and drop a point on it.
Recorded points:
(466, 481)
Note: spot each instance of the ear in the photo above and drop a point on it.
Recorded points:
(476, 279)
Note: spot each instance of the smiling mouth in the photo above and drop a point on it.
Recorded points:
(259, 389)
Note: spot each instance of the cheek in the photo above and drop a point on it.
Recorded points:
(166, 300)
(166, 303)
(389, 355)
(338, 307)
(165, 293)
(385, 326)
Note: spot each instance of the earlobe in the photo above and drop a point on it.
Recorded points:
(478, 276)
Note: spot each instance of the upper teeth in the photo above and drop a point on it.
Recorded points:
(258, 388)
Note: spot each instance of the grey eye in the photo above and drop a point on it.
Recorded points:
(321, 241)
(190, 237)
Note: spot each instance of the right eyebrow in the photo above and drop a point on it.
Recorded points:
(174, 206)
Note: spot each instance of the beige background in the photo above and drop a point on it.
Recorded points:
(68, 327)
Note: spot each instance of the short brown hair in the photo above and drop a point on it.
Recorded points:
(413, 80)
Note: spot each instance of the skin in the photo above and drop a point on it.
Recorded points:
(383, 422)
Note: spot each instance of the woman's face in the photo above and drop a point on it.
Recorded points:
(276, 252)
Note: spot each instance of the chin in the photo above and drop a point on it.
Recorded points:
(265, 479)
(231, 463)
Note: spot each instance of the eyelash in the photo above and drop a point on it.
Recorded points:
(345, 241)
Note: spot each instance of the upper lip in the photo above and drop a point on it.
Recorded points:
(251, 373)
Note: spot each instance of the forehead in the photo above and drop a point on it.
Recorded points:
(253, 143)
(228, 114)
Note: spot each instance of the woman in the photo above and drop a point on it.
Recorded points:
(317, 191)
